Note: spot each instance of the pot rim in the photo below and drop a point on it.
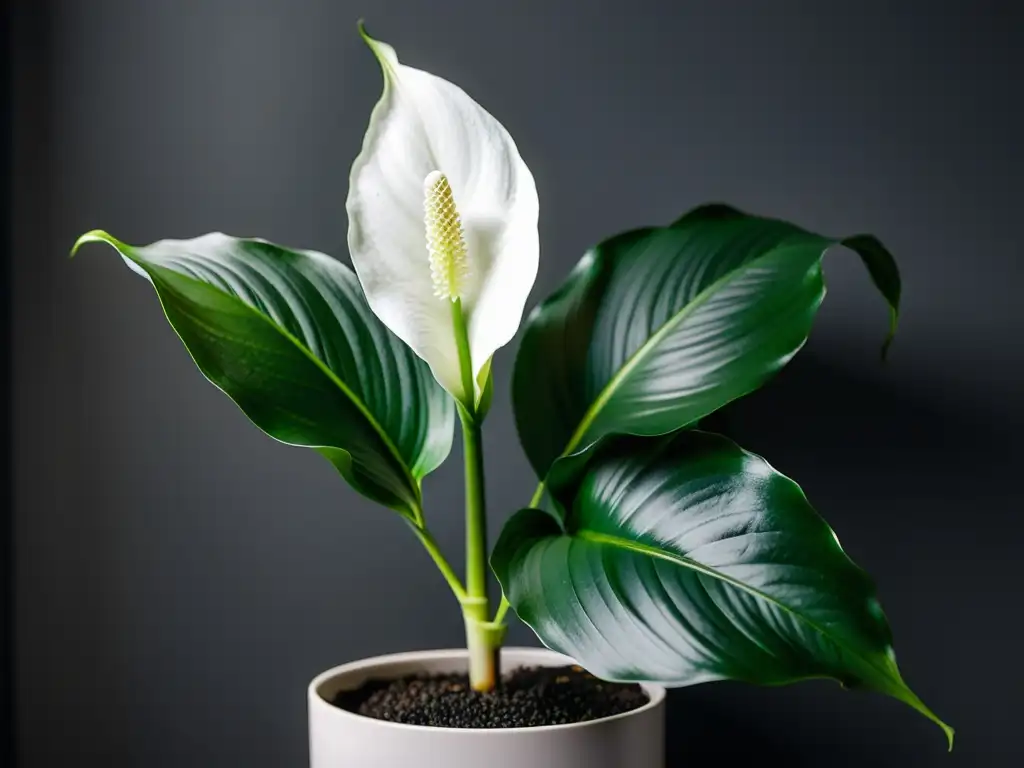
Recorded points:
(655, 693)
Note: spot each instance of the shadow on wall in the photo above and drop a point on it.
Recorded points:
(720, 724)
(883, 437)
(914, 489)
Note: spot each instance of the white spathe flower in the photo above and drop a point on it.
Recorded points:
(442, 217)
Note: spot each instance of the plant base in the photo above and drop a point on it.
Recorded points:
(343, 739)
(528, 697)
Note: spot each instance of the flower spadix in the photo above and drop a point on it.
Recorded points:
(442, 223)
(446, 243)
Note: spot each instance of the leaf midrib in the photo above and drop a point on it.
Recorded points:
(900, 689)
(609, 389)
(655, 339)
(685, 562)
(130, 252)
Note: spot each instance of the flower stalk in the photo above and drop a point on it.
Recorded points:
(483, 652)
(483, 637)
(451, 281)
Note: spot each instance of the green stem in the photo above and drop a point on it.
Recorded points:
(499, 616)
(503, 606)
(428, 542)
(538, 495)
(483, 651)
(483, 638)
(465, 360)
(476, 512)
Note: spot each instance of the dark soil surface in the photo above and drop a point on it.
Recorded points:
(529, 696)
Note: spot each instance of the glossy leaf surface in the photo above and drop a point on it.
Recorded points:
(658, 327)
(685, 559)
(288, 336)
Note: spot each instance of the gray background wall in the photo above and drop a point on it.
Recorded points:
(180, 577)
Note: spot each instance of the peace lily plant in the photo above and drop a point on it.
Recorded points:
(651, 550)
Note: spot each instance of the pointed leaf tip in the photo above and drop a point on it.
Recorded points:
(891, 336)
(666, 602)
(214, 291)
(96, 236)
(910, 698)
(885, 275)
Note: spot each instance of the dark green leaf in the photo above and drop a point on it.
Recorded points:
(289, 337)
(657, 328)
(685, 559)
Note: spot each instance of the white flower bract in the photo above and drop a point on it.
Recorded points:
(428, 147)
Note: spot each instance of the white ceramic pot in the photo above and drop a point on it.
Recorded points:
(342, 739)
